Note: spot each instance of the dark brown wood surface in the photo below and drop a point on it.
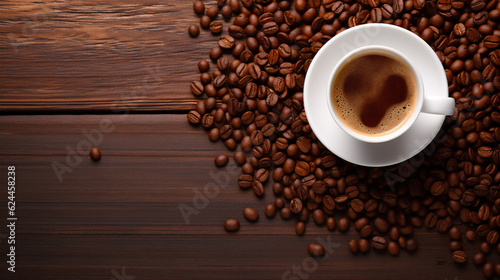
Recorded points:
(64, 67)
(124, 211)
(75, 56)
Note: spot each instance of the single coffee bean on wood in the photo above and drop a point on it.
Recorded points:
(231, 225)
(95, 154)
(315, 249)
(251, 214)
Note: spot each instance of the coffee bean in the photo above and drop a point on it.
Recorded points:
(357, 205)
(286, 213)
(95, 154)
(296, 205)
(411, 245)
(492, 237)
(258, 188)
(393, 248)
(221, 160)
(319, 217)
(231, 225)
(376, 15)
(251, 214)
(315, 250)
(459, 256)
(194, 30)
(379, 243)
(216, 27)
(381, 224)
(270, 211)
(488, 270)
(478, 258)
(364, 245)
(398, 6)
(194, 117)
(343, 224)
(353, 246)
(300, 228)
(199, 7)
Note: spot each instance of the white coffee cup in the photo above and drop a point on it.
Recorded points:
(423, 103)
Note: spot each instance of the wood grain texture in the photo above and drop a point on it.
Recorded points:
(123, 212)
(99, 56)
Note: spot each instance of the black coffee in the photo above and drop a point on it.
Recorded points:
(374, 94)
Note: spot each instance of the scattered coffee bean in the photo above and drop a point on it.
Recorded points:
(221, 160)
(194, 30)
(231, 225)
(251, 214)
(199, 7)
(343, 224)
(315, 250)
(353, 246)
(379, 242)
(285, 213)
(459, 256)
(478, 258)
(393, 248)
(488, 270)
(95, 154)
(270, 210)
(300, 228)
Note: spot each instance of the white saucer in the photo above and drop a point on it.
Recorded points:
(426, 126)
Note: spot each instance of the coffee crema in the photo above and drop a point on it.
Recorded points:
(374, 94)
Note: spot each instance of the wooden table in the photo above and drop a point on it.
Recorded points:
(116, 74)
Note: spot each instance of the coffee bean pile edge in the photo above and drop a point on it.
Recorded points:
(253, 100)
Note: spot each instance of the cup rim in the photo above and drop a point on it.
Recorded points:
(418, 84)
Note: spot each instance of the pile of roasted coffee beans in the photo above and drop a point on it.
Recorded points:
(252, 101)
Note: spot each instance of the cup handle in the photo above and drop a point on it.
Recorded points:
(439, 105)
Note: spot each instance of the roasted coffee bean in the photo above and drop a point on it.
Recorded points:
(459, 256)
(221, 160)
(95, 154)
(353, 246)
(315, 250)
(366, 231)
(393, 248)
(226, 41)
(411, 245)
(379, 242)
(205, 21)
(319, 217)
(270, 210)
(381, 224)
(258, 188)
(199, 7)
(300, 228)
(212, 12)
(194, 117)
(492, 237)
(245, 181)
(331, 223)
(286, 213)
(194, 30)
(231, 225)
(251, 214)
(216, 27)
(343, 224)
(364, 245)
(478, 258)
(296, 205)
(357, 205)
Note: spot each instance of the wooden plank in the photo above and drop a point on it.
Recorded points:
(81, 56)
(123, 212)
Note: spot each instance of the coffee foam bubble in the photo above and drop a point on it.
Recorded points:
(349, 110)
